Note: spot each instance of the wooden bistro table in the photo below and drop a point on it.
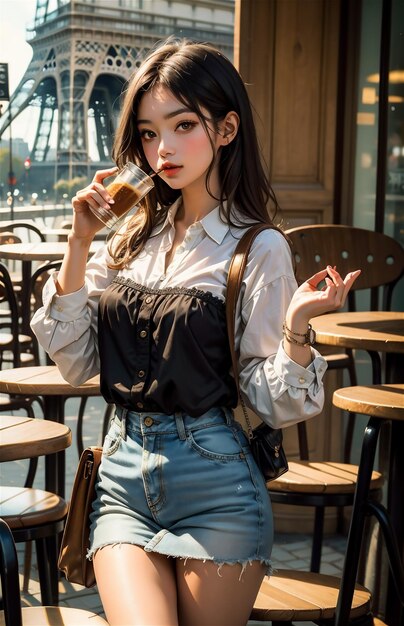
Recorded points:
(373, 331)
(377, 332)
(62, 234)
(46, 381)
(26, 438)
(35, 251)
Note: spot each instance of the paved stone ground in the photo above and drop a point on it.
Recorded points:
(290, 551)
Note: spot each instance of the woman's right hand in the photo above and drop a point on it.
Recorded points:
(85, 223)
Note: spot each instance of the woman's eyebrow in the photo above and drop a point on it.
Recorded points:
(168, 116)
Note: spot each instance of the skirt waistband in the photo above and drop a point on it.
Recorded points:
(149, 423)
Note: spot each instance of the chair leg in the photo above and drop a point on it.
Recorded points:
(353, 381)
(79, 431)
(9, 576)
(27, 565)
(355, 534)
(317, 539)
(52, 547)
(44, 573)
(396, 566)
(33, 464)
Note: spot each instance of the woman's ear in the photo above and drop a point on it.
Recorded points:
(228, 128)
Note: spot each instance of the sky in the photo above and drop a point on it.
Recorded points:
(15, 15)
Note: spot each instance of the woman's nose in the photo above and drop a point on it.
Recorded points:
(165, 147)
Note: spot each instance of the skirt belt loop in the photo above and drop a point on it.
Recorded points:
(179, 421)
(229, 415)
(123, 423)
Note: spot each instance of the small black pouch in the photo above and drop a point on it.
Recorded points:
(266, 446)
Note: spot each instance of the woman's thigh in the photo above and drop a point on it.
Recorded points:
(211, 596)
(136, 588)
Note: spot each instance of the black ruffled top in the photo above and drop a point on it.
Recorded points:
(164, 350)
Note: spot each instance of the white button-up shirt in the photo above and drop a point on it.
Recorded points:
(279, 390)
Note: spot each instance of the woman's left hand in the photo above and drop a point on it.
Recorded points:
(309, 301)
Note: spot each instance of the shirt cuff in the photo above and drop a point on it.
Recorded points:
(295, 375)
(66, 308)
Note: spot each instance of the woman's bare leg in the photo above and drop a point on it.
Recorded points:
(208, 597)
(137, 588)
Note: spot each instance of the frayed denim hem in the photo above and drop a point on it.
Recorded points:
(243, 564)
(267, 562)
(92, 551)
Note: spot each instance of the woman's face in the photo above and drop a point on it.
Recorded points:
(174, 138)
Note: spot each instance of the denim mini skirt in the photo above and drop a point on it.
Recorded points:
(183, 487)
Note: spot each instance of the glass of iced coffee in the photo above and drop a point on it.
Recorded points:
(129, 186)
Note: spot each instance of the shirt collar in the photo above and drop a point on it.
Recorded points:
(214, 226)
(169, 217)
(212, 223)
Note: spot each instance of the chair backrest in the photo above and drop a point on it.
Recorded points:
(66, 224)
(380, 257)
(8, 297)
(38, 280)
(11, 613)
(9, 577)
(8, 237)
(25, 228)
(34, 296)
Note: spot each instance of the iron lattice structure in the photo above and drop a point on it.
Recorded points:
(83, 53)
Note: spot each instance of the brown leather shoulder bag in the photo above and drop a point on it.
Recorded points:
(76, 536)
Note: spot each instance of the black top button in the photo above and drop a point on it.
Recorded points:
(143, 334)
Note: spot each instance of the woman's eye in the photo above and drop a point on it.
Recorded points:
(186, 125)
(147, 134)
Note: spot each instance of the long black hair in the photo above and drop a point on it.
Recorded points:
(200, 77)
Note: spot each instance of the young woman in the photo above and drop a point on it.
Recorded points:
(182, 524)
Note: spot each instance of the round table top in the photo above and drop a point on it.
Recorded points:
(380, 331)
(44, 380)
(39, 251)
(23, 437)
(64, 232)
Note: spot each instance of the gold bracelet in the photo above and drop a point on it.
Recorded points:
(293, 332)
(310, 336)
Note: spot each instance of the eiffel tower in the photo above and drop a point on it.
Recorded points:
(83, 53)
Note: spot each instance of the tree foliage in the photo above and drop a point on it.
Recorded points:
(18, 167)
(69, 187)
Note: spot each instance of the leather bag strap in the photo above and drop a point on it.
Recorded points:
(234, 279)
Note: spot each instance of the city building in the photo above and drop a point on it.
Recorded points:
(84, 51)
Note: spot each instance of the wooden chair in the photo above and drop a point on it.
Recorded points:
(12, 613)
(291, 596)
(29, 231)
(37, 515)
(12, 341)
(14, 346)
(320, 485)
(34, 296)
(381, 259)
(18, 231)
(382, 403)
(7, 238)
